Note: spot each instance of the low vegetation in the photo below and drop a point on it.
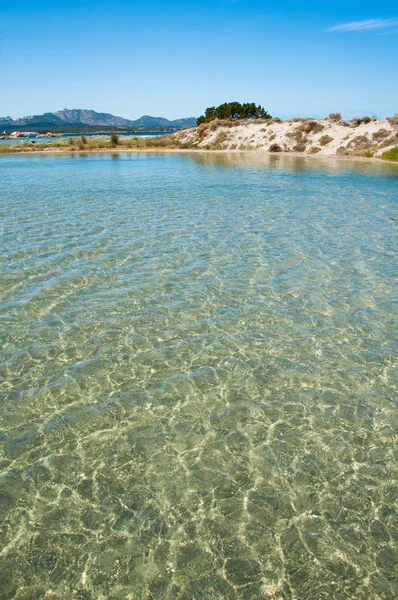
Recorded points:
(380, 134)
(335, 117)
(275, 148)
(391, 154)
(393, 120)
(93, 144)
(324, 140)
(300, 135)
(300, 147)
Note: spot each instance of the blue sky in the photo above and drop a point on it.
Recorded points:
(176, 58)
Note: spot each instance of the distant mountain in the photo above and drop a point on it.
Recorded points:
(64, 120)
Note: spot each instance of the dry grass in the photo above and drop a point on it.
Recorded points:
(94, 144)
(325, 140)
(314, 150)
(380, 134)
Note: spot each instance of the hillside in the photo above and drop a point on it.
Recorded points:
(64, 120)
(305, 136)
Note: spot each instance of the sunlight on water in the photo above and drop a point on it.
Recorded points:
(198, 378)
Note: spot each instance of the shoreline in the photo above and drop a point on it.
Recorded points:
(370, 140)
(362, 139)
(257, 153)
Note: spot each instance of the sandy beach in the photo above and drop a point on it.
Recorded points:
(303, 136)
(296, 137)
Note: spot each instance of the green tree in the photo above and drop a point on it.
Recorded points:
(232, 111)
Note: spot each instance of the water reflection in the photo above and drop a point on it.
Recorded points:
(298, 164)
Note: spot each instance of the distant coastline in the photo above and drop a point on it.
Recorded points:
(373, 138)
(84, 121)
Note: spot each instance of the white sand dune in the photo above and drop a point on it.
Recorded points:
(306, 136)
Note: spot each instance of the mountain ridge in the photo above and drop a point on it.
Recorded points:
(87, 118)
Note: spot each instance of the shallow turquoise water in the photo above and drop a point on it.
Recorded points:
(198, 378)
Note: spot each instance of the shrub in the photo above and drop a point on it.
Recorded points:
(391, 154)
(335, 117)
(393, 120)
(390, 141)
(275, 148)
(366, 120)
(272, 137)
(276, 120)
(361, 146)
(203, 130)
(218, 143)
(305, 128)
(84, 139)
(359, 141)
(299, 148)
(215, 125)
(114, 139)
(381, 134)
(325, 140)
(355, 122)
(342, 151)
(314, 150)
(312, 127)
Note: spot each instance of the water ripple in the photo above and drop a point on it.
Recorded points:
(198, 378)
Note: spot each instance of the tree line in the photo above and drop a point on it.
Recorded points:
(233, 111)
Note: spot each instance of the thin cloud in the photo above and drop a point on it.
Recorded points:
(366, 25)
(392, 32)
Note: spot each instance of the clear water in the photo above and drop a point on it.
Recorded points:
(198, 378)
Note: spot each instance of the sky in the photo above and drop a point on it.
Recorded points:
(175, 58)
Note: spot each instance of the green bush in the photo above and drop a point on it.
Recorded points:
(233, 111)
(336, 117)
(391, 154)
(314, 150)
(114, 139)
(299, 148)
(275, 148)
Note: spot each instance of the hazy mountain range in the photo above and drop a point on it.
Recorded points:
(71, 120)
